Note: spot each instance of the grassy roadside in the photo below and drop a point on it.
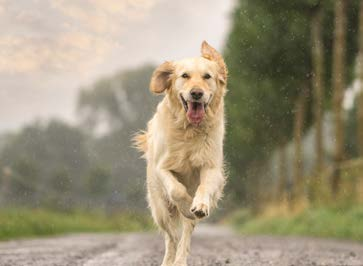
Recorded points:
(344, 223)
(15, 223)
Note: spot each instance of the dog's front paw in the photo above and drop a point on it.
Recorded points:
(200, 209)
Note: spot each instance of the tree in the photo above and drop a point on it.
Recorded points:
(127, 92)
(23, 182)
(98, 181)
(282, 182)
(339, 79)
(360, 95)
(265, 80)
(122, 101)
(275, 51)
(300, 113)
(351, 130)
(45, 161)
(318, 81)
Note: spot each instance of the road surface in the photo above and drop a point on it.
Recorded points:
(210, 246)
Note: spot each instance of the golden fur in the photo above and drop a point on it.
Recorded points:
(185, 175)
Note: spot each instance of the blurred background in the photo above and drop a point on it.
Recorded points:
(74, 79)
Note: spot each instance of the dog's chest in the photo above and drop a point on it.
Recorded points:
(188, 155)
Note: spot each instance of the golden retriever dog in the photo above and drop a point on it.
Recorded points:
(183, 147)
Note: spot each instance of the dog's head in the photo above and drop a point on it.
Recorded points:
(195, 83)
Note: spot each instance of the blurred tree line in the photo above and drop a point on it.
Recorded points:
(90, 166)
(290, 63)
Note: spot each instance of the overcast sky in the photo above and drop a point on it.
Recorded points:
(49, 48)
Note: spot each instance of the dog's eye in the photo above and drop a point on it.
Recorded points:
(207, 76)
(185, 76)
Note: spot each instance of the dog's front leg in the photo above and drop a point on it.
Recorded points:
(176, 192)
(209, 191)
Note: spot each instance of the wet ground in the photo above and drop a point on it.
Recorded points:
(210, 246)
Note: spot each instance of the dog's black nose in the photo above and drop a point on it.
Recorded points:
(196, 94)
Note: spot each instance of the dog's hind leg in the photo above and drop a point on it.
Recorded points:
(170, 249)
(166, 216)
(171, 235)
(184, 243)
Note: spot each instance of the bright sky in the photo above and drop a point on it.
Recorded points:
(48, 49)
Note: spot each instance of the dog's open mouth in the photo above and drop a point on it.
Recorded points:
(195, 110)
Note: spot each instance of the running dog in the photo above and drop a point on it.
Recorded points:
(183, 147)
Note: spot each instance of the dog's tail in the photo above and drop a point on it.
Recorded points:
(139, 141)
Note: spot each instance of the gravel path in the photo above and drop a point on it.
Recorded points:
(210, 246)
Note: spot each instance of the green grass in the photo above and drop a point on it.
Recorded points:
(15, 223)
(344, 223)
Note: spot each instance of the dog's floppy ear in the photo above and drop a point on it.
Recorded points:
(210, 53)
(161, 78)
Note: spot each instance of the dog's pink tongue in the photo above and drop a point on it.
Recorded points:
(195, 112)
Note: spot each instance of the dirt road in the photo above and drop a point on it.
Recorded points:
(210, 246)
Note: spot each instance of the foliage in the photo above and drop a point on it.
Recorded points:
(268, 56)
(120, 102)
(268, 53)
(55, 165)
(344, 222)
(133, 105)
(15, 223)
(351, 142)
(45, 160)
